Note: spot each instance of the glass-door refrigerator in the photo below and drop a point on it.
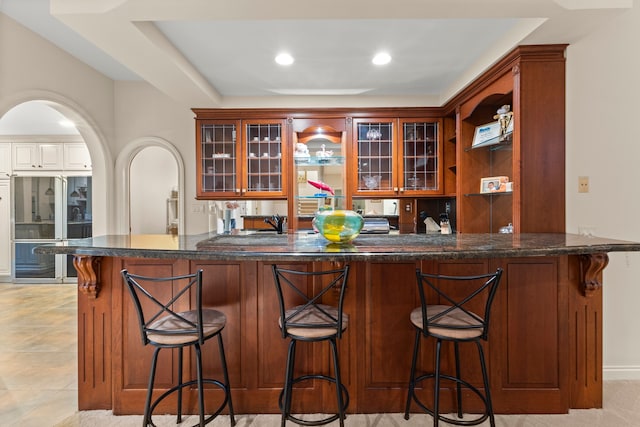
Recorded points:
(48, 209)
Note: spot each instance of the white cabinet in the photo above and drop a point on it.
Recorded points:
(36, 156)
(5, 229)
(76, 156)
(5, 160)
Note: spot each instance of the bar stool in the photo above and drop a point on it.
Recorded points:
(304, 318)
(449, 319)
(163, 326)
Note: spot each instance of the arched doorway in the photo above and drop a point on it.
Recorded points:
(139, 176)
(53, 201)
(153, 192)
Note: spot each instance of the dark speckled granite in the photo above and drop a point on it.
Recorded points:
(310, 247)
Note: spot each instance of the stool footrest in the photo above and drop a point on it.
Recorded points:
(345, 400)
(481, 418)
(188, 384)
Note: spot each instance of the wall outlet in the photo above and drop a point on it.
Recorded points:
(197, 208)
(583, 184)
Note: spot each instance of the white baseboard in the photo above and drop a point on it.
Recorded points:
(620, 373)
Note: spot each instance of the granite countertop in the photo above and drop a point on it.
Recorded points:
(313, 247)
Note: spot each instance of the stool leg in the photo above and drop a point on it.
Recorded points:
(179, 410)
(199, 382)
(436, 387)
(288, 376)
(485, 378)
(336, 369)
(412, 384)
(152, 374)
(227, 384)
(458, 386)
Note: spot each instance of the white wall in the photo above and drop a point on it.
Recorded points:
(142, 111)
(602, 93)
(33, 69)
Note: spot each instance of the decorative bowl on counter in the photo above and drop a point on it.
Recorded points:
(338, 226)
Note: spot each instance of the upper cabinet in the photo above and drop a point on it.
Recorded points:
(397, 157)
(529, 154)
(43, 156)
(265, 170)
(76, 156)
(240, 158)
(420, 157)
(5, 160)
(373, 164)
(37, 156)
(218, 154)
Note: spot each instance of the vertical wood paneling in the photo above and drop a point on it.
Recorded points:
(132, 360)
(222, 290)
(94, 346)
(544, 344)
(386, 336)
(585, 345)
(532, 319)
(529, 357)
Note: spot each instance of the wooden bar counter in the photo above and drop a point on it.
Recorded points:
(544, 349)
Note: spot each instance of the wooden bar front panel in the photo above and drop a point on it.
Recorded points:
(543, 353)
(529, 358)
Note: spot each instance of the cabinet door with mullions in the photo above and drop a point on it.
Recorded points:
(420, 154)
(218, 153)
(263, 157)
(375, 152)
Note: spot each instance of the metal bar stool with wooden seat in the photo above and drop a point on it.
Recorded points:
(176, 322)
(303, 317)
(451, 319)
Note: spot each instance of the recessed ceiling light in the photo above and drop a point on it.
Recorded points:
(284, 59)
(381, 58)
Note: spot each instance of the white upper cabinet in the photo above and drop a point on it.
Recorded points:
(76, 156)
(36, 156)
(5, 160)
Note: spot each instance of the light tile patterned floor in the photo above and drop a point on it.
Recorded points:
(38, 377)
(38, 359)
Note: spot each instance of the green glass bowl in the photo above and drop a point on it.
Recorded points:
(339, 226)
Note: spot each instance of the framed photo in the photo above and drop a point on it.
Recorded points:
(494, 184)
(488, 134)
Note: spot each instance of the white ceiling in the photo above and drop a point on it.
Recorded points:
(219, 53)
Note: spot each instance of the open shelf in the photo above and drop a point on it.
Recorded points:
(497, 193)
(496, 143)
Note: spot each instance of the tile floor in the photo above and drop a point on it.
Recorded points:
(38, 377)
(38, 335)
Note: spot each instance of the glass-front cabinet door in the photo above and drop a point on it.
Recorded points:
(374, 160)
(218, 154)
(420, 157)
(263, 156)
(240, 158)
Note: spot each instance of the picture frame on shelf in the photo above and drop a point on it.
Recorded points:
(487, 134)
(494, 184)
